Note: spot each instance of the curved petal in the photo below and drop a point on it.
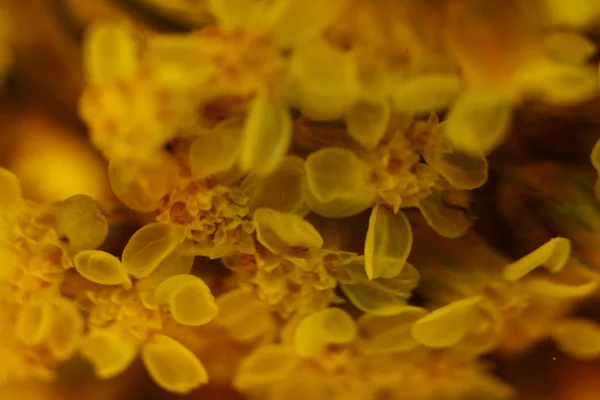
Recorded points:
(388, 243)
(280, 232)
(245, 317)
(479, 121)
(189, 299)
(329, 326)
(67, 328)
(553, 254)
(282, 189)
(447, 325)
(266, 136)
(367, 122)
(149, 246)
(569, 47)
(551, 288)
(578, 337)
(216, 151)
(81, 222)
(109, 351)
(265, 365)
(172, 366)
(342, 207)
(100, 267)
(426, 92)
(446, 221)
(34, 322)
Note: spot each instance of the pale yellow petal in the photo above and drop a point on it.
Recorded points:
(109, 53)
(101, 267)
(281, 232)
(245, 317)
(322, 328)
(429, 92)
(389, 334)
(388, 243)
(149, 246)
(282, 189)
(34, 322)
(569, 47)
(551, 288)
(367, 122)
(189, 298)
(266, 365)
(172, 366)
(447, 325)
(232, 13)
(80, 221)
(446, 221)
(342, 207)
(109, 351)
(553, 254)
(11, 195)
(479, 121)
(266, 135)
(175, 263)
(216, 151)
(574, 13)
(67, 328)
(578, 337)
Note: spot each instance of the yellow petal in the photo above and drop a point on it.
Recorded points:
(569, 47)
(216, 151)
(447, 325)
(172, 366)
(367, 122)
(324, 80)
(388, 243)
(282, 189)
(190, 301)
(175, 264)
(322, 328)
(574, 13)
(301, 21)
(149, 246)
(266, 365)
(341, 207)
(109, 53)
(553, 254)
(446, 221)
(100, 267)
(280, 232)
(380, 296)
(80, 221)
(34, 322)
(266, 136)
(479, 121)
(11, 197)
(577, 337)
(245, 317)
(389, 334)
(232, 13)
(426, 92)
(109, 351)
(335, 173)
(66, 331)
(552, 288)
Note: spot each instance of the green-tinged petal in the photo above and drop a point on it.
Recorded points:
(34, 322)
(569, 47)
(446, 221)
(479, 121)
(282, 189)
(109, 53)
(189, 298)
(367, 122)
(335, 173)
(232, 13)
(322, 328)
(426, 92)
(67, 328)
(553, 254)
(578, 337)
(11, 195)
(172, 366)
(217, 150)
(266, 135)
(389, 334)
(324, 80)
(280, 232)
(463, 171)
(447, 325)
(100, 267)
(80, 221)
(109, 351)
(388, 243)
(381, 296)
(149, 246)
(266, 365)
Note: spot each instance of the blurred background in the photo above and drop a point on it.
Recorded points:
(43, 141)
